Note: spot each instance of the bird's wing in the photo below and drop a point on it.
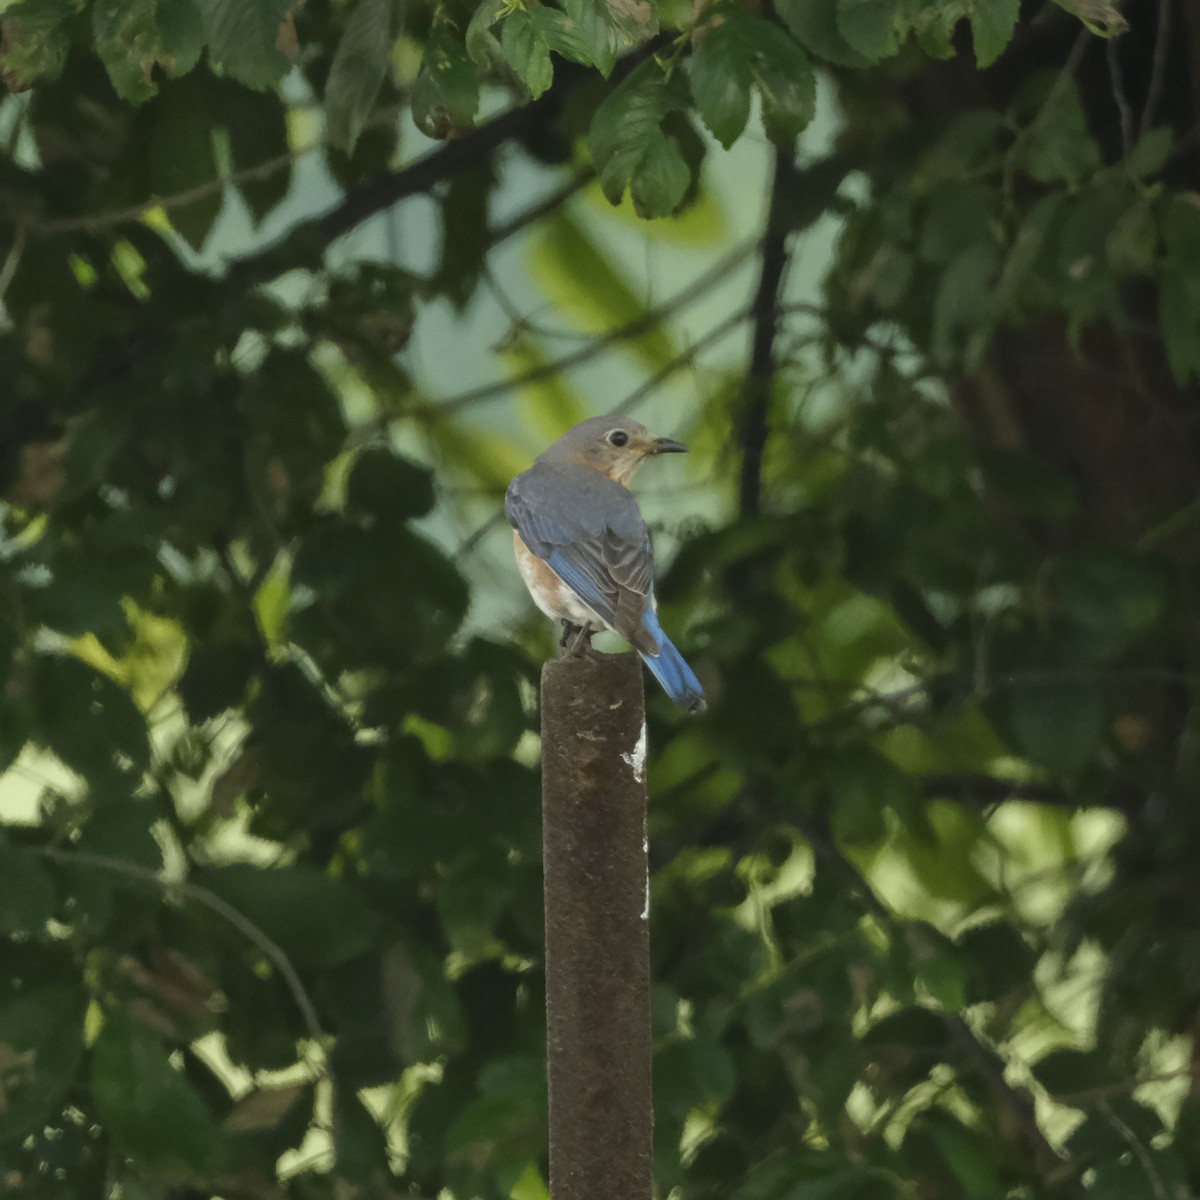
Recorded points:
(590, 533)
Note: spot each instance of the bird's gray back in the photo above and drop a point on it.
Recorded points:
(559, 503)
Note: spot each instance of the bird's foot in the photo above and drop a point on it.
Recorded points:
(576, 640)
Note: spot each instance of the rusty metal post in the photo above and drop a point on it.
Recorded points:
(597, 928)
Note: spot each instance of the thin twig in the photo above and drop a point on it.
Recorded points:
(11, 262)
(1158, 68)
(680, 361)
(756, 395)
(640, 325)
(94, 222)
(1123, 1087)
(1120, 98)
(1139, 1150)
(535, 212)
(210, 900)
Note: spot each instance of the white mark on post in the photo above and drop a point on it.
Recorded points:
(646, 852)
(637, 759)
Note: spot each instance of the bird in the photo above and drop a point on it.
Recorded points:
(583, 548)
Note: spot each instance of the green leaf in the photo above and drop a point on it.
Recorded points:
(1115, 596)
(721, 79)
(122, 829)
(359, 66)
(816, 27)
(563, 35)
(938, 965)
(136, 36)
(27, 896)
(992, 25)
(150, 1108)
(1151, 153)
(1179, 218)
(1058, 726)
(869, 27)
(662, 179)
(183, 158)
(1068, 1070)
(181, 36)
(256, 125)
(388, 486)
(958, 216)
(598, 32)
(740, 50)
(362, 1151)
(527, 52)
(933, 24)
(935, 1140)
(317, 921)
(1179, 320)
(1022, 279)
(446, 93)
(528, 37)
(862, 786)
(87, 720)
(963, 313)
(785, 81)
(997, 960)
(632, 150)
(1057, 146)
(907, 1045)
(636, 20)
(35, 42)
(41, 1044)
(129, 44)
(244, 38)
(482, 44)
(466, 233)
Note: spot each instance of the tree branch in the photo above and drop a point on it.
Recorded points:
(756, 394)
(210, 900)
(310, 238)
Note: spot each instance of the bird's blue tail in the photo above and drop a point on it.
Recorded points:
(669, 668)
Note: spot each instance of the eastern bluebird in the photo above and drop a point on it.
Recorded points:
(583, 548)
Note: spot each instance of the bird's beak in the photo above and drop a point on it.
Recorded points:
(667, 446)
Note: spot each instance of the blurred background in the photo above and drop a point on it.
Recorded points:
(289, 294)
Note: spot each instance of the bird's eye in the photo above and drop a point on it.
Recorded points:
(618, 437)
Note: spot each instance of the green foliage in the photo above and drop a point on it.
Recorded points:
(740, 51)
(270, 879)
(635, 148)
(359, 64)
(446, 93)
(154, 1113)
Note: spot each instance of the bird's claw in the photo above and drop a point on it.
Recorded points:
(576, 640)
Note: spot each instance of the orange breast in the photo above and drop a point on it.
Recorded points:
(549, 592)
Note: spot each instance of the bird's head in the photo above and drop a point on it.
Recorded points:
(613, 445)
